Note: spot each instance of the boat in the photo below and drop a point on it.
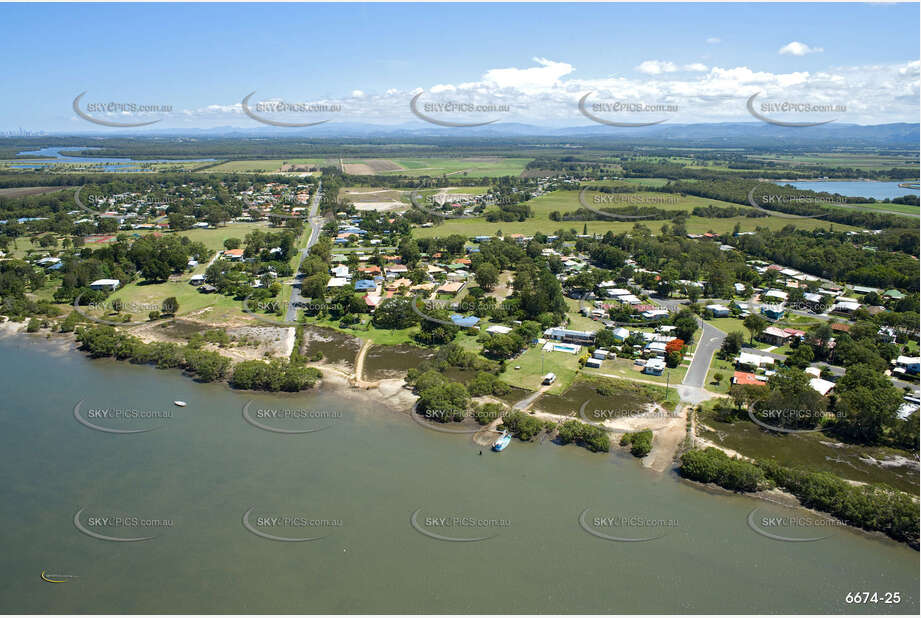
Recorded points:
(181, 404)
(503, 441)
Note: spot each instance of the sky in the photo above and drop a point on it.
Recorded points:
(530, 63)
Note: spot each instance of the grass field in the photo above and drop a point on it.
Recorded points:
(213, 238)
(568, 201)
(144, 298)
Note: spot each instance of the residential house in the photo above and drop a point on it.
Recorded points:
(105, 284)
(565, 335)
(775, 336)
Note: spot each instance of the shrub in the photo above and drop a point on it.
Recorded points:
(640, 441)
(712, 465)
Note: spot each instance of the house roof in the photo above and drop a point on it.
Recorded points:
(745, 378)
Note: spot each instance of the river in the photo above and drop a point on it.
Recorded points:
(855, 188)
(355, 484)
(109, 164)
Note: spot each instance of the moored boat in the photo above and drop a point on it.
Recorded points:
(502, 441)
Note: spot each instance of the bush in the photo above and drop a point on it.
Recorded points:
(522, 426)
(641, 442)
(488, 412)
(33, 326)
(588, 436)
(871, 507)
(712, 465)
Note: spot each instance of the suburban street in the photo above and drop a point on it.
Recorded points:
(316, 224)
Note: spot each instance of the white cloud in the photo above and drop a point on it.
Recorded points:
(713, 40)
(528, 80)
(795, 48)
(547, 93)
(656, 67)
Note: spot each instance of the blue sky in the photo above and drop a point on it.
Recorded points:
(371, 58)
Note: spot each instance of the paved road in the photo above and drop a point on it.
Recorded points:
(316, 224)
(711, 338)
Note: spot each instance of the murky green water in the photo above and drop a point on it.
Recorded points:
(362, 477)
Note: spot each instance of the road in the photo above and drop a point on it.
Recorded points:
(711, 338)
(316, 224)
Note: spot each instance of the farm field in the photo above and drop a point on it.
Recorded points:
(855, 160)
(26, 191)
(265, 165)
(472, 166)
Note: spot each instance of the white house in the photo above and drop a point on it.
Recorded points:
(718, 311)
(105, 284)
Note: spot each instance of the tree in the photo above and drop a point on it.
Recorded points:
(732, 344)
(232, 243)
(754, 324)
(867, 403)
(170, 306)
(487, 276)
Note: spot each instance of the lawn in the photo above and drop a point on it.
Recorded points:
(724, 367)
(365, 330)
(535, 364)
(624, 368)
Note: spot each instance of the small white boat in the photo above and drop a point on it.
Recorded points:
(181, 404)
(502, 442)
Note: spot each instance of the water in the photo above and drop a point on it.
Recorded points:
(856, 188)
(110, 164)
(371, 469)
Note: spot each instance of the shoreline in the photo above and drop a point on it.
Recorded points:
(394, 395)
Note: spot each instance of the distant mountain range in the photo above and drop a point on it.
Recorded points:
(711, 134)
